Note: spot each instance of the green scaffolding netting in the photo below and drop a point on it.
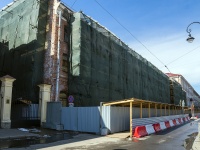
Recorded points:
(19, 22)
(103, 68)
(22, 40)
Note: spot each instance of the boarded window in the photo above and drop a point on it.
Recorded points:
(64, 62)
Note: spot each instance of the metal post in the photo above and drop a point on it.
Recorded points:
(149, 110)
(131, 117)
(140, 110)
(199, 129)
(155, 110)
(160, 109)
(58, 59)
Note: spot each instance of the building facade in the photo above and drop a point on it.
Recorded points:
(192, 97)
(75, 55)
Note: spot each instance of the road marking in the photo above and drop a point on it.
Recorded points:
(161, 141)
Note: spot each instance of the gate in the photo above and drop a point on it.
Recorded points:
(24, 114)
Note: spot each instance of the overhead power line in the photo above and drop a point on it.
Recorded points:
(131, 34)
(183, 55)
(73, 3)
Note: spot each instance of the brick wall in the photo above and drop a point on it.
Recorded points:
(50, 63)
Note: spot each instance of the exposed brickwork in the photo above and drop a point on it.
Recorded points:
(50, 64)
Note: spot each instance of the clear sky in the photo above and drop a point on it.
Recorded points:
(160, 25)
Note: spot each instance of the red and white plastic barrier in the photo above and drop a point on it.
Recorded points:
(180, 120)
(186, 118)
(140, 131)
(167, 124)
(145, 130)
(162, 125)
(157, 127)
(177, 122)
(150, 129)
(174, 122)
(171, 123)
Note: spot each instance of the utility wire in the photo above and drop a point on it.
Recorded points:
(73, 3)
(131, 34)
(183, 55)
(70, 7)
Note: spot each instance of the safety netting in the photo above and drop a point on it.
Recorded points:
(103, 68)
(19, 22)
(22, 45)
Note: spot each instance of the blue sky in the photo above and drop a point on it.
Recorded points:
(159, 24)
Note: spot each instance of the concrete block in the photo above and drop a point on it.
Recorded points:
(5, 125)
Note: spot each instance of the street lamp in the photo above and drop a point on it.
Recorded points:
(190, 39)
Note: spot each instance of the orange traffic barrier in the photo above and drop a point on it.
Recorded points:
(140, 131)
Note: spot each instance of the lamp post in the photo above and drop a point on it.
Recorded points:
(190, 39)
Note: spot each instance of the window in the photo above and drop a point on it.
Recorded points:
(64, 62)
(66, 38)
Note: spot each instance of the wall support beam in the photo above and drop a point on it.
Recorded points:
(44, 97)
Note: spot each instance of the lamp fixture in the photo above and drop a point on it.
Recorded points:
(190, 39)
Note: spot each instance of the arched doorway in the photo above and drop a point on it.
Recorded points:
(63, 98)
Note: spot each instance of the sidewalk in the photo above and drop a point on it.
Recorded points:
(14, 133)
(80, 141)
(196, 144)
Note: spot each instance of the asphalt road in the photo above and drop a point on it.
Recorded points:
(171, 139)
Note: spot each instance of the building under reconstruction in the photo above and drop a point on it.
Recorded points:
(44, 42)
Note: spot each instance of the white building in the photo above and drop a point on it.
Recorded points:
(192, 97)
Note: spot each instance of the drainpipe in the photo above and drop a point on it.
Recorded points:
(58, 59)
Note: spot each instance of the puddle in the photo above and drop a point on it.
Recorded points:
(25, 142)
(189, 141)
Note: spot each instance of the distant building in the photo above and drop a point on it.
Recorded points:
(191, 95)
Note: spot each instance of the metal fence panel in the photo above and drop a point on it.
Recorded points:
(119, 119)
(115, 119)
(105, 121)
(53, 117)
(69, 117)
(89, 119)
(84, 119)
